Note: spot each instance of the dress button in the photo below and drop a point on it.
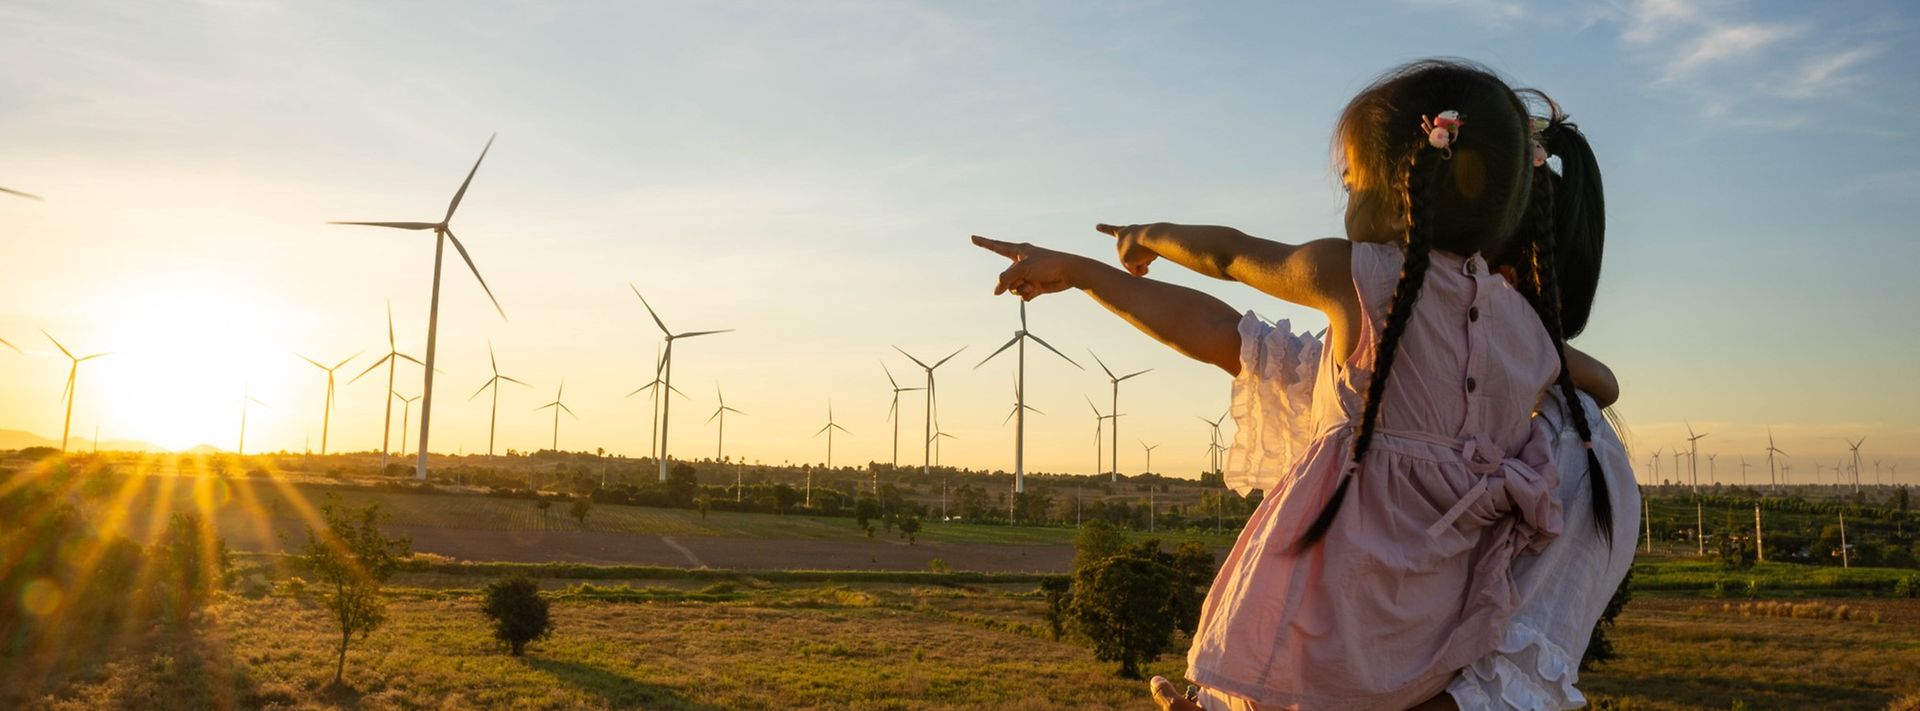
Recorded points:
(1471, 385)
(1472, 268)
(1473, 314)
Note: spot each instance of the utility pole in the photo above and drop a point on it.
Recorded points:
(1759, 543)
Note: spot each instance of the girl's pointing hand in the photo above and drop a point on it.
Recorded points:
(1035, 270)
(1128, 240)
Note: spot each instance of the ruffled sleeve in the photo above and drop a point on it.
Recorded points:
(1272, 404)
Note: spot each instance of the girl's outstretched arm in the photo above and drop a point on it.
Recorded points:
(1316, 274)
(1191, 322)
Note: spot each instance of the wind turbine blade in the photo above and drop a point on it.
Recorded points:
(395, 225)
(543, 407)
(691, 334)
(732, 410)
(1003, 349)
(569, 412)
(483, 388)
(1056, 351)
(823, 429)
(344, 361)
(455, 205)
(83, 359)
(415, 361)
(56, 344)
(3, 342)
(650, 312)
(370, 368)
(641, 389)
(893, 409)
(1103, 364)
(68, 390)
(1009, 417)
(676, 391)
(716, 413)
(1090, 406)
(515, 381)
(883, 367)
(842, 429)
(476, 273)
(315, 363)
(492, 362)
(391, 347)
(29, 196)
(916, 361)
(1136, 373)
(949, 357)
(1034, 409)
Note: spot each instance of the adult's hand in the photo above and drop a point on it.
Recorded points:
(1035, 270)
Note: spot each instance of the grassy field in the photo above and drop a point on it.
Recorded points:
(754, 643)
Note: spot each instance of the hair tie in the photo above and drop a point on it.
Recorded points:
(1441, 131)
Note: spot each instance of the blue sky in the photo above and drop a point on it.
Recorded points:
(807, 173)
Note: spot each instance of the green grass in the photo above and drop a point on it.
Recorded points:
(1698, 577)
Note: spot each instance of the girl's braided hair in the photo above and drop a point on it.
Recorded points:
(1465, 199)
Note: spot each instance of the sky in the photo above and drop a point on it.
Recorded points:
(808, 174)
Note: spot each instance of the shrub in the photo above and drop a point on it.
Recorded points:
(519, 614)
(354, 558)
(1121, 605)
(193, 562)
(939, 565)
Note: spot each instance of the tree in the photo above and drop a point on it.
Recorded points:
(1095, 541)
(581, 507)
(704, 504)
(519, 614)
(909, 526)
(354, 558)
(1121, 604)
(865, 511)
(544, 506)
(1599, 648)
(193, 562)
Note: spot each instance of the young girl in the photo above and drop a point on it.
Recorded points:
(1383, 564)
(1567, 586)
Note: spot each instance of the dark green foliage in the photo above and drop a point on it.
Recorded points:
(352, 557)
(1096, 540)
(1121, 605)
(909, 526)
(579, 509)
(1599, 648)
(519, 613)
(1058, 590)
(192, 562)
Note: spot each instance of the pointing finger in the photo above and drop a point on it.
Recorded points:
(1108, 229)
(1004, 249)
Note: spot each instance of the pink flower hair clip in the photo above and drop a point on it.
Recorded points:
(1539, 126)
(1441, 131)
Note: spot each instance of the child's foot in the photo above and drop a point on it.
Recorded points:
(1168, 697)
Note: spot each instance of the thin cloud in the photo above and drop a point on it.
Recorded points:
(1493, 13)
(1827, 73)
(1719, 44)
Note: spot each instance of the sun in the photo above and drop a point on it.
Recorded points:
(182, 357)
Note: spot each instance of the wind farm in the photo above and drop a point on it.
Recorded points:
(207, 207)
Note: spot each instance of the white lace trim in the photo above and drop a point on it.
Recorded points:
(1272, 404)
(1502, 680)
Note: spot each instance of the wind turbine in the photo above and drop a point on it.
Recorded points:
(493, 415)
(326, 412)
(1854, 446)
(558, 406)
(1743, 471)
(246, 398)
(828, 431)
(926, 454)
(392, 359)
(720, 413)
(1773, 477)
(406, 414)
(652, 389)
(667, 366)
(937, 436)
(443, 233)
(1020, 338)
(893, 415)
(1655, 459)
(1693, 456)
(73, 376)
(1213, 441)
(1099, 437)
(1710, 468)
(1149, 448)
(1115, 380)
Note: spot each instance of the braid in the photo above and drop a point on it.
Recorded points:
(1413, 274)
(1546, 300)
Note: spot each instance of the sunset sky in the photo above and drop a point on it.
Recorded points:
(808, 173)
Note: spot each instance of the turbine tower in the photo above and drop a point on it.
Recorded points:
(493, 414)
(406, 415)
(392, 359)
(443, 233)
(246, 398)
(828, 431)
(558, 407)
(1773, 476)
(1020, 338)
(73, 376)
(927, 445)
(1116, 380)
(666, 364)
(893, 415)
(326, 412)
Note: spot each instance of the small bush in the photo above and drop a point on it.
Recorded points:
(939, 565)
(519, 614)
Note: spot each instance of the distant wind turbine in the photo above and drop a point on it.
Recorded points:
(1773, 476)
(828, 430)
(1743, 471)
(73, 376)
(1214, 447)
(326, 412)
(666, 403)
(1020, 408)
(406, 415)
(893, 414)
(1693, 456)
(652, 389)
(246, 398)
(1711, 472)
(937, 436)
(720, 413)
(927, 445)
(1854, 446)
(443, 233)
(1655, 459)
(392, 359)
(558, 407)
(1149, 448)
(1099, 437)
(1116, 380)
(493, 414)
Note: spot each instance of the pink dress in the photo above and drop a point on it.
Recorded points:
(1414, 581)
